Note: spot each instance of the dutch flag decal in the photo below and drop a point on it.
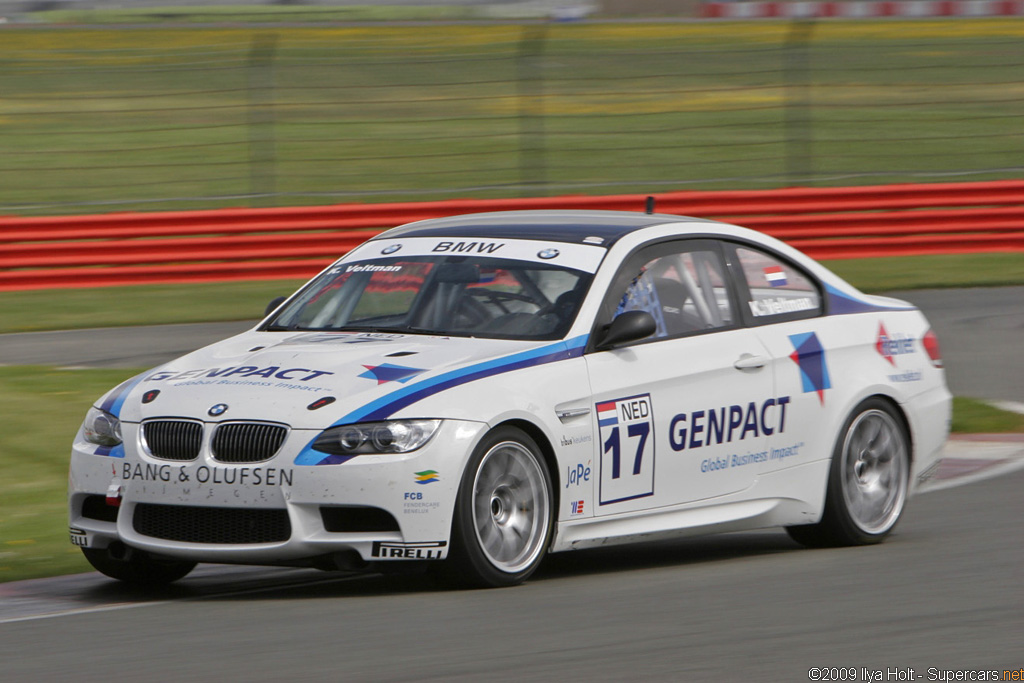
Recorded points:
(606, 414)
(775, 276)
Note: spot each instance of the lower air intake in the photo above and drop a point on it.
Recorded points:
(95, 507)
(212, 525)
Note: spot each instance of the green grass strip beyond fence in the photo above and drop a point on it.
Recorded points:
(47, 309)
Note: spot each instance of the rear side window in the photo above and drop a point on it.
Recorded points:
(776, 290)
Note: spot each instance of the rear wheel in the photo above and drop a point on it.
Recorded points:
(868, 480)
(137, 567)
(503, 514)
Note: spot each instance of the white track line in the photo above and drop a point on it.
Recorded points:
(132, 605)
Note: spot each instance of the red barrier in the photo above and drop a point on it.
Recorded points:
(295, 242)
(859, 9)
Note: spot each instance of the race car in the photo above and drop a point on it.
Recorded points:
(468, 394)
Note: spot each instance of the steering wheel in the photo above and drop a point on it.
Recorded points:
(499, 298)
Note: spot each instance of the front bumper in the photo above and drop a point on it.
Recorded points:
(382, 507)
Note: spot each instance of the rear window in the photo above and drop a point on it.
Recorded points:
(776, 289)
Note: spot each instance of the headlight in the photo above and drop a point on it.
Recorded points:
(398, 436)
(101, 428)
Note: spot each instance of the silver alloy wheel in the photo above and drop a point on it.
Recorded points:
(875, 469)
(511, 508)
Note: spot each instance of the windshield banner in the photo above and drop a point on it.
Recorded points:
(584, 257)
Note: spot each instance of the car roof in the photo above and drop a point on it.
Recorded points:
(556, 226)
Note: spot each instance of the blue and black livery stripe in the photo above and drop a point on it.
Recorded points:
(116, 398)
(844, 304)
(112, 404)
(386, 406)
(110, 451)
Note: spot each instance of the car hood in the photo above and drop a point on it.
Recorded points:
(313, 380)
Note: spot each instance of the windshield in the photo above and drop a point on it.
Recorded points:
(452, 295)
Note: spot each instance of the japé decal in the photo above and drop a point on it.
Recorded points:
(625, 427)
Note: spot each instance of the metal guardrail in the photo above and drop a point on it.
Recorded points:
(279, 243)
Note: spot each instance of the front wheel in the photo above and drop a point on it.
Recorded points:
(503, 514)
(868, 480)
(138, 568)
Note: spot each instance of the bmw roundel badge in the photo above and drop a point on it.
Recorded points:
(547, 254)
(391, 250)
(218, 409)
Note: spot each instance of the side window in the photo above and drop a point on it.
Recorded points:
(685, 291)
(777, 290)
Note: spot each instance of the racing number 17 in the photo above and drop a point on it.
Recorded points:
(641, 429)
(626, 424)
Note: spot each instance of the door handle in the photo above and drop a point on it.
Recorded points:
(750, 362)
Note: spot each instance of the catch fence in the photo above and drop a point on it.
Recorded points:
(152, 119)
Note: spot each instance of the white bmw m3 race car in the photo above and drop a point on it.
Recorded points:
(478, 391)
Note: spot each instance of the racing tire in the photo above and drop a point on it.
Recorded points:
(503, 513)
(868, 480)
(138, 568)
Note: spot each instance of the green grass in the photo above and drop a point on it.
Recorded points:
(927, 272)
(971, 416)
(67, 309)
(153, 118)
(64, 309)
(43, 408)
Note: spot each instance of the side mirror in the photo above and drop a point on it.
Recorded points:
(273, 305)
(627, 327)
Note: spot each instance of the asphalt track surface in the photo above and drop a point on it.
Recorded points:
(942, 594)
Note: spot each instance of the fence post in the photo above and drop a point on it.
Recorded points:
(798, 128)
(531, 110)
(260, 88)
